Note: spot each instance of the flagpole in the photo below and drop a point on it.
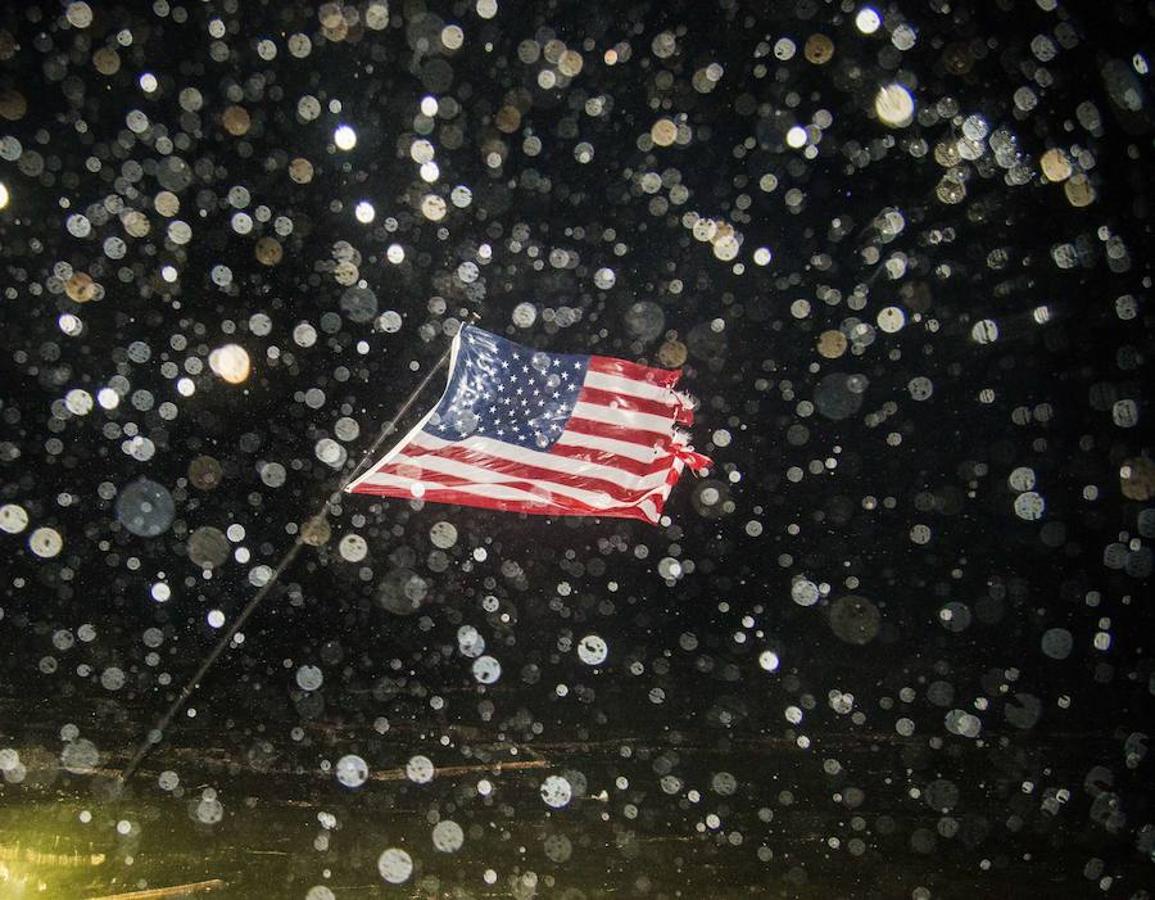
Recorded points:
(156, 735)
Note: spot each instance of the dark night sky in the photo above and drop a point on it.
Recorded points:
(836, 472)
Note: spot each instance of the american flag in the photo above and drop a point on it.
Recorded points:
(523, 430)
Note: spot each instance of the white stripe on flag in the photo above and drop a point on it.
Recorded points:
(628, 418)
(416, 487)
(638, 452)
(562, 464)
(498, 491)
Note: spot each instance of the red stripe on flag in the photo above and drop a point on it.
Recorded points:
(464, 498)
(617, 432)
(416, 473)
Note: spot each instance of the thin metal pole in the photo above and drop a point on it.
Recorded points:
(156, 735)
(389, 428)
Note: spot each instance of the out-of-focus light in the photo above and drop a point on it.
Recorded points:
(108, 398)
(452, 37)
(433, 207)
(867, 21)
(70, 324)
(230, 362)
(345, 137)
(365, 212)
(3, 195)
(796, 137)
(894, 105)
(429, 106)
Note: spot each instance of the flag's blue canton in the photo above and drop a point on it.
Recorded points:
(502, 390)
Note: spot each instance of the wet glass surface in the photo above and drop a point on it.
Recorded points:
(895, 643)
